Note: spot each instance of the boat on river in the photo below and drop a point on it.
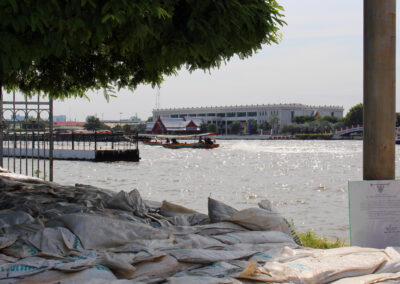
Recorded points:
(199, 141)
(152, 142)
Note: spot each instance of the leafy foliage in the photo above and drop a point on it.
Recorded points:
(94, 123)
(331, 119)
(312, 240)
(355, 115)
(235, 127)
(264, 126)
(212, 128)
(303, 119)
(64, 48)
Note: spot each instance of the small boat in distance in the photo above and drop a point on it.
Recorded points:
(203, 141)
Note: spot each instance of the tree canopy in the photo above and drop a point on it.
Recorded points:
(355, 115)
(94, 123)
(64, 48)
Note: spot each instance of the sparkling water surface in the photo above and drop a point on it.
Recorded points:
(306, 181)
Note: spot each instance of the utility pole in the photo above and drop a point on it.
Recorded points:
(379, 89)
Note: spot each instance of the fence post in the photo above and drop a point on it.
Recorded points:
(95, 140)
(72, 140)
(379, 89)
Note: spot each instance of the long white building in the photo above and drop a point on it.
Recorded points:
(223, 116)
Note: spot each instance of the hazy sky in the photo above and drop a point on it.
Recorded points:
(318, 62)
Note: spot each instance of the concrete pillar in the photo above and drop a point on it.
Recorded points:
(379, 89)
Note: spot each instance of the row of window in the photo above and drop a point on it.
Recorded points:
(222, 114)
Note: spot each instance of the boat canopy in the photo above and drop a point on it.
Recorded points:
(184, 136)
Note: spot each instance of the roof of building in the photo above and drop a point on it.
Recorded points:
(174, 124)
(68, 123)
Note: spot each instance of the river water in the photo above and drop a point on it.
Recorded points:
(306, 181)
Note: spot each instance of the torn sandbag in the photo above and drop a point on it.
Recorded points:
(219, 211)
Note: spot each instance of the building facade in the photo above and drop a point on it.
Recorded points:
(225, 115)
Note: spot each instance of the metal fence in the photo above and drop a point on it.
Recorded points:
(94, 141)
(26, 135)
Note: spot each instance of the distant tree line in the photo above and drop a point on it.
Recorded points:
(93, 123)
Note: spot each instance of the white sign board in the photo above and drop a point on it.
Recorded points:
(374, 208)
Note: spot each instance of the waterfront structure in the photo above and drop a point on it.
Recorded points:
(223, 116)
(166, 125)
(134, 120)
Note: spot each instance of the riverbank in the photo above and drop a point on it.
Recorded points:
(280, 137)
(81, 233)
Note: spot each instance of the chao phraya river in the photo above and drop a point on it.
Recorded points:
(305, 180)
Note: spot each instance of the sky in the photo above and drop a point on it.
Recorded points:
(318, 62)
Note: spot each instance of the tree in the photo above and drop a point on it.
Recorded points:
(203, 127)
(149, 119)
(274, 122)
(94, 123)
(64, 48)
(235, 127)
(354, 116)
(212, 128)
(264, 125)
(331, 119)
(303, 119)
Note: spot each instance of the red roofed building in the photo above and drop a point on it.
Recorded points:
(164, 125)
(67, 126)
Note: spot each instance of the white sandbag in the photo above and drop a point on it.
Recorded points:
(189, 219)
(20, 250)
(169, 209)
(217, 269)
(197, 241)
(218, 229)
(138, 245)
(7, 240)
(207, 255)
(257, 219)
(97, 232)
(9, 218)
(131, 202)
(371, 279)
(56, 241)
(90, 275)
(254, 237)
(25, 267)
(219, 211)
(163, 267)
(119, 264)
(201, 280)
(323, 266)
(393, 263)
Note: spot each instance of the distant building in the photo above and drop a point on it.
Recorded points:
(59, 118)
(68, 126)
(131, 121)
(167, 125)
(224, 116)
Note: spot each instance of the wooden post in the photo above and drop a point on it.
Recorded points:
(379, 89)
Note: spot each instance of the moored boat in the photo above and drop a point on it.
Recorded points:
(204, 141)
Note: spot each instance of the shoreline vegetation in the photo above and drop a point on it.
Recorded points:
(313, 240)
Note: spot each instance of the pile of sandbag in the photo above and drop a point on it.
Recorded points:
(52, 233)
